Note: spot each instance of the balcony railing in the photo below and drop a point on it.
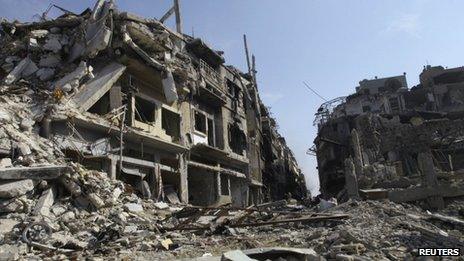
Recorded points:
(211, 74)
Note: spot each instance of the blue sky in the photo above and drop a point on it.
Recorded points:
(332, 45)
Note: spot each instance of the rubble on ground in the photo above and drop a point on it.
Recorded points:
(93, 215)
(55, 205)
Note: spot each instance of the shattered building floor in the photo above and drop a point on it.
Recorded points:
(123, 139)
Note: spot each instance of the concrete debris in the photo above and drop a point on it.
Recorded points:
(73, 79)
(235, 255)
(12, 189)
(50, 60)
(161, 205)
(326, 204)
(5, 163)
(169, 88)
(53, 44)
(98, 86)
(133, 207)
(163, 151)
(45, 74)
(45, 202)
(24, 66)
(39, 33)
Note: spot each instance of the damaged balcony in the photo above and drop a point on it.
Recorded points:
(212, 91)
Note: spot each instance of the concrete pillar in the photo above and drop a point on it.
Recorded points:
(46, 127)
(357, 155)
(425, 161)
(218, 185)
(183, 175)
(158, 194)
(351, 181)
(112, 168)
(115, 97)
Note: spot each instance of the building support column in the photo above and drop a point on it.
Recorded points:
(158, 194)
(425, 161)
(351, 181)
(357, 155)
(218, 185)
(112, 168)
(183, 175)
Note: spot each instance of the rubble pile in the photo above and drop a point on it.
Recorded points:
(85, 213)
(80, 179)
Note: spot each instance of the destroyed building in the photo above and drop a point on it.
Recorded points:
(155, 108)
(388, 141)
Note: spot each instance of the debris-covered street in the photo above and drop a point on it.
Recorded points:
(124, 139)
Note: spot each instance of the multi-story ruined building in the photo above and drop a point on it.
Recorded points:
(390, 141)
(156, 108)
(282, 171)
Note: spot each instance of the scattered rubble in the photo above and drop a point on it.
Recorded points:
(121, 138)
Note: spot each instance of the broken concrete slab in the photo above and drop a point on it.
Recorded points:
(53, 44)
(92, 91)
(50, 60)
(73, 77)
(97, 34)
(33, 44)
(39, 33)
(45, 202)
(24, 149)
(45, 74)
(16, 74)
(161, 205)
(150, 60)
(30, 69)
(5, 163)
(38, 173)
(275, 253)
(7, 225)
(133, 207)
(169, 88)
(96, 200)
(236, 255)
(11, 189)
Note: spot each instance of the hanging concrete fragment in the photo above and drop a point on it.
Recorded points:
(97, 35)
(169, 87)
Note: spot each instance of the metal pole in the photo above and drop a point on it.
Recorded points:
(178, 16)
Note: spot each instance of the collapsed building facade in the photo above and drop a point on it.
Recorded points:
(153, 107)
(388, 141)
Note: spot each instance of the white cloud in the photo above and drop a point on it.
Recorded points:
(271, 97)
(405, 24)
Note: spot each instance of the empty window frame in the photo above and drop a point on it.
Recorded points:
(170, 123)
(200, 122)
(366, 108)
(225, 185)
(145, 110)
